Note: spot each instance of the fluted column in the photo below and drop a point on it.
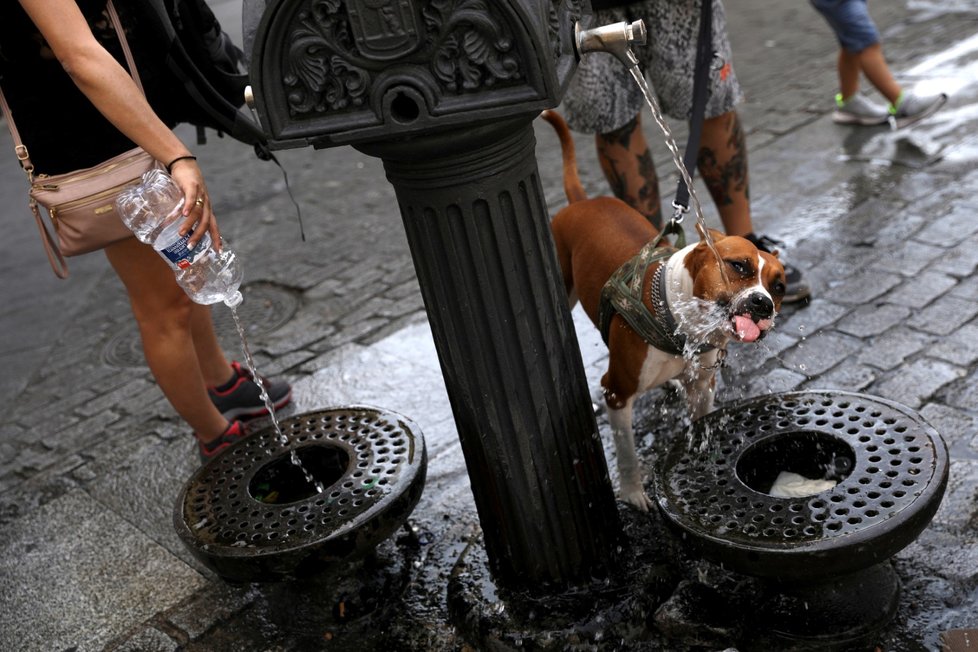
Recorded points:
(478, 229)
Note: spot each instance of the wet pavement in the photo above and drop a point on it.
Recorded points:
(93, 457)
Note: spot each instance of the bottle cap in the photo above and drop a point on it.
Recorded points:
(234, 300)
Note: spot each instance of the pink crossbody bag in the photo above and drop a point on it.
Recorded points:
(81, 203)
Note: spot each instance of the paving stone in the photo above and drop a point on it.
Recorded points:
(111, 399)
(967, 288)
(945, 315)
(53, 605)
(873, 319)
(868, 222)
(34, 406)
(819, 353)
(216, 603)
(850, 376)
(779, 380)
(148, 639)
(368, 377)
(958, 512)
(957, 427)
(960, 260)
(810, 319)
(920, 290)
(910, 258)
(892, 348)
(82, 433)
(931, 554)
(862, 287)
(959, 347)
(140, 480)
(302, 332)
(917, 381)
(963, 393)
(955, 226)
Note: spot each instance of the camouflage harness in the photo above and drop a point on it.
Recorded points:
(622, 294)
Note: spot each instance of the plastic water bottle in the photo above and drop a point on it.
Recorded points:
(152, 211)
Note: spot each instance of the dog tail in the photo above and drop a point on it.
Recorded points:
(572, 180)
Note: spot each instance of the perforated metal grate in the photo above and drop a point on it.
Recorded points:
(893, 460)
(375, 461)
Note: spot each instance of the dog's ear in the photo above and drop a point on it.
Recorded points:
(714, 234)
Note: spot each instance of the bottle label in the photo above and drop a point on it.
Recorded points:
(173, 247)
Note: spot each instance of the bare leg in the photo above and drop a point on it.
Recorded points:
(873, 65)
(849, 69)
(627, 164)
(722, 162)
(213, 362)
(164, 314)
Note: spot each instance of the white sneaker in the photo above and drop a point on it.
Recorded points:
(858, 110)
(911, 108)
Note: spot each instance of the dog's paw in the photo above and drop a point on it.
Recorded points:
(637, 499)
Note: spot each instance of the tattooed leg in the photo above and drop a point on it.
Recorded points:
(722, 162)
(627, 164)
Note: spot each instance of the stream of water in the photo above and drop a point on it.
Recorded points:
(249, 360)
(677, 158)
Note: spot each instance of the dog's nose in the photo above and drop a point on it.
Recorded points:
(761, 306)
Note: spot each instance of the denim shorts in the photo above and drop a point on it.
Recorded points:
(851, 22)
(603, 97)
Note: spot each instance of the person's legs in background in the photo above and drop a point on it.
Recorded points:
(722, 162)
(861, 52)
(870, 62)
(626, 160)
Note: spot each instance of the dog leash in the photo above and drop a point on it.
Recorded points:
(704, 60)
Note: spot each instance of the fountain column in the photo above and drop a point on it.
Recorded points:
(445, 93)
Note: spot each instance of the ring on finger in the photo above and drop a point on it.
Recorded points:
(200, 201)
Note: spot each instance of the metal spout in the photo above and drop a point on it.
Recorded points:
(614, 39)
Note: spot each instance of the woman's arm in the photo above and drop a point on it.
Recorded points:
(113, 92)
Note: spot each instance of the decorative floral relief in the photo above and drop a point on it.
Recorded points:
(329, 64)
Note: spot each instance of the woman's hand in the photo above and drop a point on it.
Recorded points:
(197, 207)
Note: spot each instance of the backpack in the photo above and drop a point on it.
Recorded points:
(207, 71)
(205, 74)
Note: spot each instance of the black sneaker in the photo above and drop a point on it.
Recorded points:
(240, 397)
(235, 431)
(796, 288)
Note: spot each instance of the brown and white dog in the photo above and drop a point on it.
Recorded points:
(690, 309)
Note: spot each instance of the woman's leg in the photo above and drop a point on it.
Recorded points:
(214, 366)
(164, 312)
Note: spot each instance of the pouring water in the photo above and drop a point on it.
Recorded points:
(233, 302)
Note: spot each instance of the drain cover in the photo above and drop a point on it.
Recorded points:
(266, 307)
(892, 470)
(245, 516)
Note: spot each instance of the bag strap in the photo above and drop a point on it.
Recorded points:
(704, 59)
(55, 257)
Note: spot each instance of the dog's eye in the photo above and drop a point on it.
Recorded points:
(778, 288)
(742, 267)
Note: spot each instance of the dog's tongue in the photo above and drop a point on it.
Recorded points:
(745, 328)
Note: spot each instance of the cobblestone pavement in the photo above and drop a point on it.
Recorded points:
(92, 457)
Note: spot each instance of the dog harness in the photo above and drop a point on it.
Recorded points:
(622, 294)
